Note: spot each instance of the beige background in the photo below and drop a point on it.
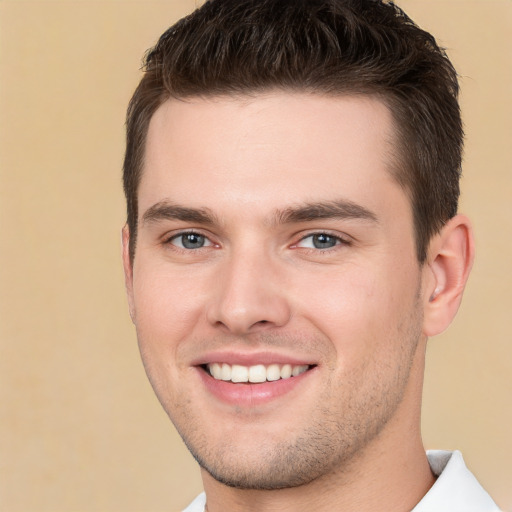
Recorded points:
(80, 429)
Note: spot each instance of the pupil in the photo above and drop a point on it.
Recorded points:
(192, 241)
(323, 241)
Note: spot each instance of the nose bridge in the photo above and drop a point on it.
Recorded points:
(249, 294)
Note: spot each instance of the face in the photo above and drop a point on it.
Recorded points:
(275, 288)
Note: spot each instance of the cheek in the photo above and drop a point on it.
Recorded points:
(166, 312)
(167, 309)
(358, 309)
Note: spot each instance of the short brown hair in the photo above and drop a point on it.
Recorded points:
(333, 47)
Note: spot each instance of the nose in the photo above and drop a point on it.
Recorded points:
(250, 295)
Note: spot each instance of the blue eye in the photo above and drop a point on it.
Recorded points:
(319, 241)
(190, 241)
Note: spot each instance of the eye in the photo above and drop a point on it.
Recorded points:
(319, 241)
(190, 240)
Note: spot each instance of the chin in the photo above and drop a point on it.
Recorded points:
(268, 463)
(279, 472)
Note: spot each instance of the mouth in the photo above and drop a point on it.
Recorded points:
(255, 374)
(256, 382)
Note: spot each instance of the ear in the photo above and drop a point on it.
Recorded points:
(128, 269)
(450, 258)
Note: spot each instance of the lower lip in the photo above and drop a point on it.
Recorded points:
(249, 394)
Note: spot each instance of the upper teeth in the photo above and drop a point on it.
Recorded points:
(256, 373)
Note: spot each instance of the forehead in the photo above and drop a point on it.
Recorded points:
(273, 148)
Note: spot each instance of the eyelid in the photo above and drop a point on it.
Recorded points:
(341, 239)
(168, 238)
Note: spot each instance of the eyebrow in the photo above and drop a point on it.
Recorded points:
(307, 212)
(164, 210)
(340, 209)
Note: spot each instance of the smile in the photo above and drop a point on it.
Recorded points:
(253, 379)
(258, 373)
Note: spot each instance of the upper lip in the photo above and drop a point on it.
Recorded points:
(250, 358)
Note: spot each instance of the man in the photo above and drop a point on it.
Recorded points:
(292, 241)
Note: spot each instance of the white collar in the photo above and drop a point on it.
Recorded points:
(456, 489)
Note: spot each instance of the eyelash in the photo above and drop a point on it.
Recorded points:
(168, 240)
(340, 241)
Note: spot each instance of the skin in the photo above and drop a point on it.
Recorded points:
(359, 311)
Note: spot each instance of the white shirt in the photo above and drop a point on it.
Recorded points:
(455, 490)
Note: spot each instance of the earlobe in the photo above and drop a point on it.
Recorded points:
(128, 269)
(450, 258)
